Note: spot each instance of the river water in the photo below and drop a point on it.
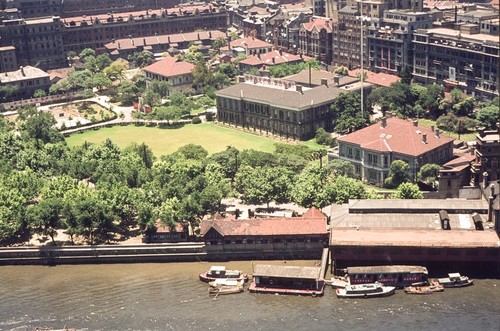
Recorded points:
(169, 296)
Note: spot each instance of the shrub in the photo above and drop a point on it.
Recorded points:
(196, 120)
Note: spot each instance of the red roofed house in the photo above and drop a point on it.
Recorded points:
(246, 46)
(166, 234)
(293, 234)
(170, 69)
(373, 149)
(270, 59)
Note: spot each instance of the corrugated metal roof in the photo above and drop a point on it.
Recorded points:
(423, 205)
(268, 270)
(386, 269)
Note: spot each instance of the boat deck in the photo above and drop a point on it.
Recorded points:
(260, 289)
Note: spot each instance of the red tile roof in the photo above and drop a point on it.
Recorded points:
(313, 223)
(319, 23)
(399, 136)
(169, 67)
(382, 79)
(250, 43)
(267, 59)
(313, 213)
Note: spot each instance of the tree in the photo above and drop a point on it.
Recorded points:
(86, 53)
(345, 188)
(324, 138)
(38, 125)
(39, 93)
(407, 191)
(141, 59)
(406, 75)
(341, 71)
(342, 168)
(100, 81)
(128, 93)
(7, 92)
(398, 173)
(464, 108)
(219, 42)
(45, 217)
(191, 152)
(116, 70)
(489, 115)
(347, 115)
(429, 173)
(312, 187)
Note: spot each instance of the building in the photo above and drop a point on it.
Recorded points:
(463, 59)
(389, 42)
(8, 59)
(455, 174)
(283, 28)
(269, 59)
(278, 107)
(373, 149)
(315, 39)
(170, 69)
(37, 42)
(435, 233)
(246, 46)
(158, 44)
(279, 234)
(165, 234)
(27, 80)
(486, 166)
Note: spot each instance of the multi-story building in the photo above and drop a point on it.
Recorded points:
(246, 46)
(8, 59)
(96, 31)
(27, 80)
(315, 39)
(283, 29)
(463, 59)
(68, 8)
(389, 42)
(355, 14)
(373, 149)
(37, 42)
(486, 166)
(278, 107)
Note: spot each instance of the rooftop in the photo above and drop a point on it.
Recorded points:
(272, 58)
(414, 238)
(23, 73)
(287, 271)
(319, 23)
(170, 66)
(478, 37)
(420, 205)
(317, 75)
(397, 136)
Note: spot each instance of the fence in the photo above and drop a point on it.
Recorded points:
(7, 106)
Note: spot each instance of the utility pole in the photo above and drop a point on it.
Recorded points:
(361, 59)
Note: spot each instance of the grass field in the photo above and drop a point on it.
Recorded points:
(166, 141)
(464, 137)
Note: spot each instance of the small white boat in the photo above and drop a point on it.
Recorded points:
(455, 280)
(370, 290)
(220, 272)
(424, 288)
(225, 286)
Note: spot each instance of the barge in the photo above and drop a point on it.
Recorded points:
(392, 275)
(287, 280)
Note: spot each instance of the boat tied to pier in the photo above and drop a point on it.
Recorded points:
(424, 288)
(371, 290)
(225, 286)
(455, 280)
(220, 272)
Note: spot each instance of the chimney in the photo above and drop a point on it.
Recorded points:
(119, 45)
(22, 70)
(274, 60)
(438, 132)
(485, 179)
(210, 34)
(336, 80)
(432, 128)
(298, 88)
(415, 122)
(324, 81)
(383, 122)
(481, 131)
(424, 138)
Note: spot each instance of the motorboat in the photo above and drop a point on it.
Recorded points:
(220, 272)
(455, 280)
(369, 290)
(424, 288)
(225, 286)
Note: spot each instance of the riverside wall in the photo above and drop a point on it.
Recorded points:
(175, 252)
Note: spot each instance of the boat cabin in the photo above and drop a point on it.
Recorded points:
(221, 272)
(395, 275)
(287, 280)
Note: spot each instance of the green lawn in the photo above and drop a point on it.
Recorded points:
(464, 137)
(212, 137)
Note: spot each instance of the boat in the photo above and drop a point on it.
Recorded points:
(389, 275)
(225, 286)
(371, 290)
(455, 280)
(220, 272)
(424, 288)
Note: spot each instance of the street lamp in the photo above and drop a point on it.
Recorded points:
(362, 19)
